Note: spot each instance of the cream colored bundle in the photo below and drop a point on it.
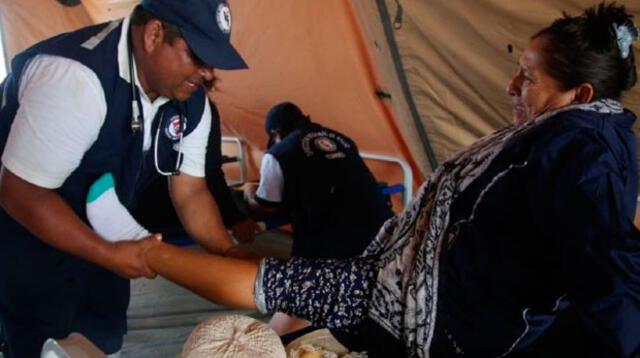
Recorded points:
(233, 336)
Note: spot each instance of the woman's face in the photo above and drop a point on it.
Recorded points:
(533, 91)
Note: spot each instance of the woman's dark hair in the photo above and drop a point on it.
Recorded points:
(584, 48)
(141, 16)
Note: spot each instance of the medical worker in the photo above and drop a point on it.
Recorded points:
(126, 97)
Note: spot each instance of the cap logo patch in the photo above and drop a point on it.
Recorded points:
(173, 130)
(223, 17)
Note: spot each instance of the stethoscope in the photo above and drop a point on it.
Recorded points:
(137, 119)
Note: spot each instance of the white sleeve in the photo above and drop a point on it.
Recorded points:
(62, 108)
(271, 185)
(194, 145)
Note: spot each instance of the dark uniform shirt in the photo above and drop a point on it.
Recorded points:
(334, 203)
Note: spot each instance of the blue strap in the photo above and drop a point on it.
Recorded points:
(398, 188)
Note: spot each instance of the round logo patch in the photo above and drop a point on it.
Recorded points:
(173, 130)
(325, 144)
(223, 17)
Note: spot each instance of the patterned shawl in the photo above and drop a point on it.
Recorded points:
(405, 296)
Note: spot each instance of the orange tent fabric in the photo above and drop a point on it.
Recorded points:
(308, 52)
(311, 53)
(331, 57)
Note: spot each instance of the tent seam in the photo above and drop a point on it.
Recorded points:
(397, 61)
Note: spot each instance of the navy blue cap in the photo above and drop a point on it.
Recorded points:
(205, 25)
(280, 115)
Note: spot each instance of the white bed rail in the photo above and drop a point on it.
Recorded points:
(407, 194)
(242, 158)
(406, 171)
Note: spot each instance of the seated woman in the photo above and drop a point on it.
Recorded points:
(528, 223)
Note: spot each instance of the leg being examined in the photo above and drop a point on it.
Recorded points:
(327, 292)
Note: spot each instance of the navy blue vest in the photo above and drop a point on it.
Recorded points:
(117, 149)
(335, 204)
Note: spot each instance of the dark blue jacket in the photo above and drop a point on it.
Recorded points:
(547, 227)
(117, 149)
(335, 204)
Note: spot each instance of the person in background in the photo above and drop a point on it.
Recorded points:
(521, 245)
(126, 97)
(316, 178)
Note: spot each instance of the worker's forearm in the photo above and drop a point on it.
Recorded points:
(199, 213)
(49, 217)
(46, 214)
(223, 280)
(202, 221)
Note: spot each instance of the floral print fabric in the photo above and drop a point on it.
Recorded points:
(327, 292)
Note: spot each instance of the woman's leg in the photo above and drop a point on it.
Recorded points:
(285, 324)
(327, 292)
(331, 293)
(223, 280)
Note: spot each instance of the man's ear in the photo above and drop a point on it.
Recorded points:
(280, 134)
(153, 35)
(583, 93)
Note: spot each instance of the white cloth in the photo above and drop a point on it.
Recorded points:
(271, 185)
(63, 107)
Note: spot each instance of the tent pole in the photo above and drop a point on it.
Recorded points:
(393, 47)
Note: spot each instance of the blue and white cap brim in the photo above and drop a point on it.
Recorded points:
(217, 54)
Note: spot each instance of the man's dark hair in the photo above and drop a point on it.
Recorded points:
(141, 16)
(584, 48)
(285, 118)
(289, 127)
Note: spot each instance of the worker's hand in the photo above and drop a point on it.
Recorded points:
(250, 190)
(240, 253)
(127, 258)
(245, 230)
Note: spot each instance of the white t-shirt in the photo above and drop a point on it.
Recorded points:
(62, 109)
(271, 185)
